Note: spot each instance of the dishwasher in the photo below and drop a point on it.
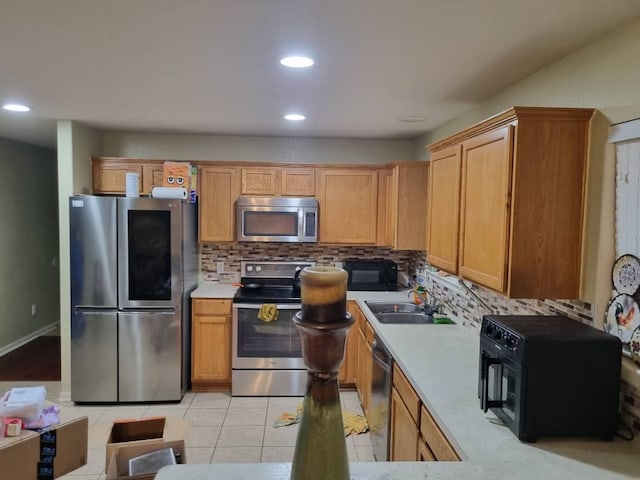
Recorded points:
(379, 409)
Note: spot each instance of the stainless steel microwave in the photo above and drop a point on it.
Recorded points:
(277, 219)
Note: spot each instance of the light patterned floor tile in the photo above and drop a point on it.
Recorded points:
(364, 439)
(249, 402)
(237, 455)
(281, 436)
(165, 411)
(277, 454)
(246, 416)
(365, 453)
(122, 413)
(203, 436)
(239, 436)
(199, 454)
(206, 416)
(211, 400)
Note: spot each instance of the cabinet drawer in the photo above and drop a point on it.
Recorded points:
(435, 439)
(212, 307)
(406, 392)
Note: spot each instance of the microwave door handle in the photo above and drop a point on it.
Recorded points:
(485, 403)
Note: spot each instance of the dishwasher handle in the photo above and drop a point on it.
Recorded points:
(381, 356)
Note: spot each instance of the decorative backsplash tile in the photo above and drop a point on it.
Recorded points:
(233, 253)
(630, 406)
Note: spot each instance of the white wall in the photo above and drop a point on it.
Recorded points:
(76, 144)
(254, 149)
(28, 242)
(603, 75)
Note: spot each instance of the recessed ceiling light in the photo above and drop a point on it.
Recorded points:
(16, 107)
(412, 118)
(294, 117)
(296, 62)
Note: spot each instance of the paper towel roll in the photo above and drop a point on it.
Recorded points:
(169, 192)
(131, 184)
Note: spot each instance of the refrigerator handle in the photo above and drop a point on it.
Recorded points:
(171, 310)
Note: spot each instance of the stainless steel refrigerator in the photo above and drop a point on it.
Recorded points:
(133, 266)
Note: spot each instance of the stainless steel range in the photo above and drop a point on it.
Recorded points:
(267, 356)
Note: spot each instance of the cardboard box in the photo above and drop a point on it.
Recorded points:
(47, 455)
(131, 433)
(118, 467)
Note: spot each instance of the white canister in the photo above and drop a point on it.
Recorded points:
(131, 184)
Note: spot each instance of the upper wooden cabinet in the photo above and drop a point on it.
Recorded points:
(298, 181)
(522, 176)
(288, 181)
(259, 181)
(348, 205)
(444, 208)
(109, 175)
(406, 217)
(218, 188)
(152, 176)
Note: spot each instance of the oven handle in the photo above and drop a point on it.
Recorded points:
(279, 306)
(485, 403)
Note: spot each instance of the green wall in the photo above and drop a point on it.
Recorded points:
(29, 271)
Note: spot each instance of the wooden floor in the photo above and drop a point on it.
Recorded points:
(38, 360)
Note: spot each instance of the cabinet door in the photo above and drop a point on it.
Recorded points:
(486, 186)
(299, 182)
(384, 209)
(438, 444)
(349, 367)
(110, 177)
(219, 188)
(424, 453)
(409, 205)
(404, 432)
(348, 201)
(259, 181)
(151, 177)
(211, 341)
(444, 209)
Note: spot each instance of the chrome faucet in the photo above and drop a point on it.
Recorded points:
(427, 299)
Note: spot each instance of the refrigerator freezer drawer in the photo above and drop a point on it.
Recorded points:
(94, 358)
(150, 356)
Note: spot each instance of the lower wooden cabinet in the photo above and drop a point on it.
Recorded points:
(434, 440)
(404, 434)
(211, 343)
(363, 338)
(349, 367)
(414, 434)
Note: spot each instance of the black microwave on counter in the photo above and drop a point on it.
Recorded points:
(371, 275)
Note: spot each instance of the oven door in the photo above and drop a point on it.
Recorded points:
(500, 387)
(261, 345)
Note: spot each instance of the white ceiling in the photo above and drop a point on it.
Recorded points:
(211, 66)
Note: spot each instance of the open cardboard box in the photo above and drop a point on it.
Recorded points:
(131, 433)
(118, 468)
(47, 455)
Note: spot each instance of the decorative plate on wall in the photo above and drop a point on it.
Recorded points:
(623, 317)
(626, 274)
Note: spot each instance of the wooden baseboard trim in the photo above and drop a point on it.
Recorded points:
(27, 338)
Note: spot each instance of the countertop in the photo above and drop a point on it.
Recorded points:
(441, 361)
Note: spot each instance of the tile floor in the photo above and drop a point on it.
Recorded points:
(222, 429)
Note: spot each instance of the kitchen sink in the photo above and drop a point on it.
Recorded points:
(403, 313)
(397, 307)
(405, 318)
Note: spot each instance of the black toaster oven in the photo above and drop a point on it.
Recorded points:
(549, 376)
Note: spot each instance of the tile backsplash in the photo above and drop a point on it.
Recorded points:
(233, 253)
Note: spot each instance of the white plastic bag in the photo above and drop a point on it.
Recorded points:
(23, 402)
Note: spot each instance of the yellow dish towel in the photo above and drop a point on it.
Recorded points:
(353, 424)
(268, 312)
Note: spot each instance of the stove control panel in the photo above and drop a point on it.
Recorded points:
(257, 269)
